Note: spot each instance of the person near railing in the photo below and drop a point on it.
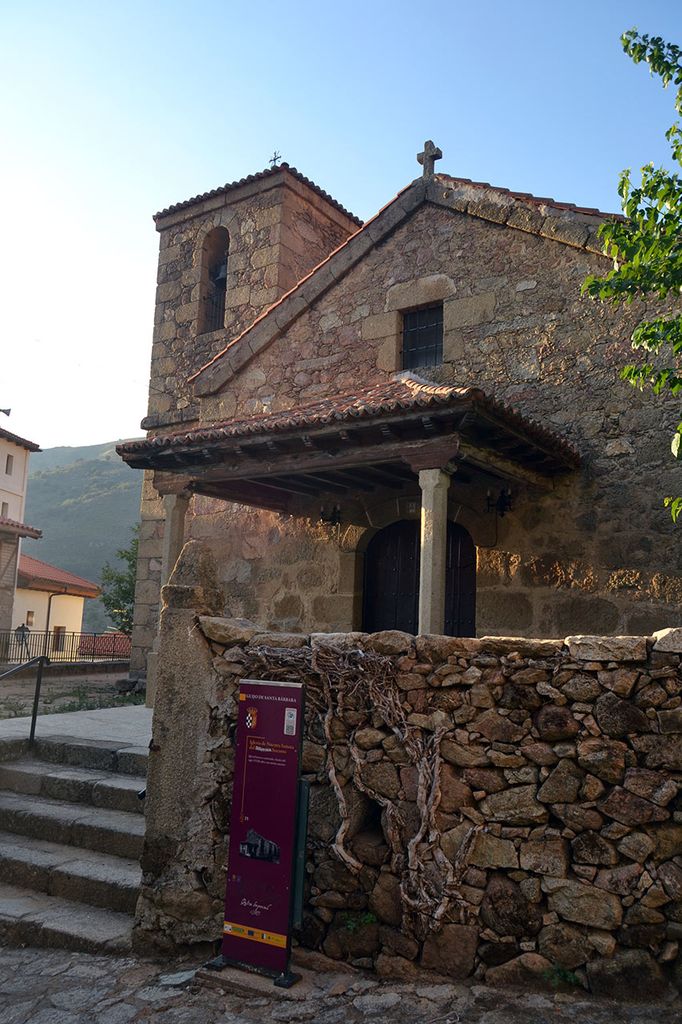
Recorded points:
(22, 633)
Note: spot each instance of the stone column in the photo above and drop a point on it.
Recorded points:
(434, 485)
(175, 509)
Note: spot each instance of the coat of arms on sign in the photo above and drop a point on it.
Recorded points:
(251, 718)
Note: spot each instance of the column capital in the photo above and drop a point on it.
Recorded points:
(434, 479)
(175, 501)
(434, 455)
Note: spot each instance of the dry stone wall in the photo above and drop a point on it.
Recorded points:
(499, 807)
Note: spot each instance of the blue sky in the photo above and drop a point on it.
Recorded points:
(111, 112)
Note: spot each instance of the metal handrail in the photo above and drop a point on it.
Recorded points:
(40, 662)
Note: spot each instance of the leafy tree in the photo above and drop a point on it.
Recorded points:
(118, 587)
(646, 248)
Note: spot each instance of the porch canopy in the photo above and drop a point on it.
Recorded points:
(400, 435)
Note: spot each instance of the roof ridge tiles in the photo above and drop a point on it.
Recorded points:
(268, 172)
(528, 196)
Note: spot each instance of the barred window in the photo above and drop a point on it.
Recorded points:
(213, 281)
(423, 337)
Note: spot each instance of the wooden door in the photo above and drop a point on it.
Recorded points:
(460, 583)
(391, 593)
(391, 580)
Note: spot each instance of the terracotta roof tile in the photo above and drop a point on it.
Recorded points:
(37, 575)
(404, 392)
(21, 529)
(7, 435)
(527, 197)
(260, 176)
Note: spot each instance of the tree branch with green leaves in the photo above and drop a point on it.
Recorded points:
(645, 247)
(118, 587)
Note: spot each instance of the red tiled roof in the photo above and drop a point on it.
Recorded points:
(20, 529)
(403, 392)
(527, 197)
(30, 446)
(260, 176)
(37, 575)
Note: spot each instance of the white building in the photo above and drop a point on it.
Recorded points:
(49, 599)
(14, 456)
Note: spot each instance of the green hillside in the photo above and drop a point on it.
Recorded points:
(86, 502)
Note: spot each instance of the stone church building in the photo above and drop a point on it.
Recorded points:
(413, 423)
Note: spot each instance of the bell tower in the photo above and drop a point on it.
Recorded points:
(224, 258)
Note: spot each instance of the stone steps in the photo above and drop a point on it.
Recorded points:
(76, 785)
(93, 828)
(71, 835)
(70, 873)
(102, 755)
(29, 918)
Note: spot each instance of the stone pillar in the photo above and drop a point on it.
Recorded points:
(434, 485)
(175, 509)
(176, 899)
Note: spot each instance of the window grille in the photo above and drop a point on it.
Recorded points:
(213, 281)
(423, 337)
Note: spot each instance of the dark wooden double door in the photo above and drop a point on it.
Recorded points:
(391, 580)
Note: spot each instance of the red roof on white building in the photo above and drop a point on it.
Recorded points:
(7, 435)
(37, 575)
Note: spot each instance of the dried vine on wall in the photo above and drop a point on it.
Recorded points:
(361, 687)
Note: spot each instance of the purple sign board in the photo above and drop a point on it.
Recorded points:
(260, 868)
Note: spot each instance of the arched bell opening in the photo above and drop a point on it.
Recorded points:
(213, 297)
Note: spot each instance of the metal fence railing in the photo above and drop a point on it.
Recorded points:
(58, 645)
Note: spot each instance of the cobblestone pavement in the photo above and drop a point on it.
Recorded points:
(55, 987)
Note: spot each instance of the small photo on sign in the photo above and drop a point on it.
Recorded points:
(257, 847)
(290, 721)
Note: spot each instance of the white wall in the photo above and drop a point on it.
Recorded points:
(13, 486)
(66, 611)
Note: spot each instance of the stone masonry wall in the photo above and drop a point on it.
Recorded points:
(511, 808)
(595, 554)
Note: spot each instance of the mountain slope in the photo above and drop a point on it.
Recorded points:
(86, 502)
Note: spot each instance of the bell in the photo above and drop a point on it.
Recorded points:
(219, 274)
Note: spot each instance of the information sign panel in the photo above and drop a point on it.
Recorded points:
(258, 900)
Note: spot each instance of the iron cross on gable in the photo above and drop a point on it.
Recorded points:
(428, 158)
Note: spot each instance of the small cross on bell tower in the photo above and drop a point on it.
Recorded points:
(428, 158)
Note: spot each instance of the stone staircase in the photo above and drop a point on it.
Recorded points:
(71, 832)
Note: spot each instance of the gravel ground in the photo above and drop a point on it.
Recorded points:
(56, 987)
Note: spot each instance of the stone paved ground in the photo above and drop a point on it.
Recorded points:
(56, 987)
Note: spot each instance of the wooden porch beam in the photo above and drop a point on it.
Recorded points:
(486, 460)
(304, 463)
